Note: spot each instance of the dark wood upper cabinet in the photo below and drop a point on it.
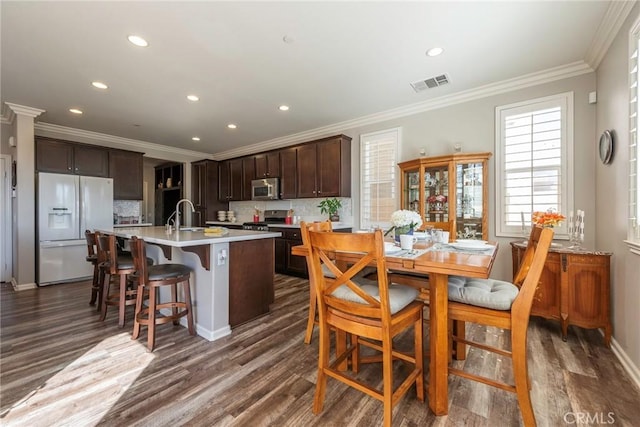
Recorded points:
(248, 174)
(333, 173)
(54, 156)
(307, 161)
(204, 192)
(324, 168)
(125, 167)
(93, 161)
(230, 180)
(268, 165)
(288, 173)
(71, 158)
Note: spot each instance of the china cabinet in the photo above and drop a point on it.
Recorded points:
(451, 187)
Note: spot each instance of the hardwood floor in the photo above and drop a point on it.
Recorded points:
(61, 366)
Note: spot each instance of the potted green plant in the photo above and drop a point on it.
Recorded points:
(330, 207)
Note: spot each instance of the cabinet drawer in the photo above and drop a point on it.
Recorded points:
(292, 235)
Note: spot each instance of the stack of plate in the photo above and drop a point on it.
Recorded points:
(231, 216)
(222, 215)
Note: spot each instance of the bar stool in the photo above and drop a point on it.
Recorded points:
(92, 257)
(152, 278)
(115, 265)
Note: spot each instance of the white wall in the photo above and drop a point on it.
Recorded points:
(472, 125)
(612, 198)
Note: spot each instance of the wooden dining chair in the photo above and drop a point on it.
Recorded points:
(373, 314)
(312, 318)
(92, 257)
(504, 305)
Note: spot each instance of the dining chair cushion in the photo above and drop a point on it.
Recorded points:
(167, 271)
(400, 296)
(488, 293)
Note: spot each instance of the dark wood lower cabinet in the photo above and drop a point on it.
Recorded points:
(286, 263)
(251, 277)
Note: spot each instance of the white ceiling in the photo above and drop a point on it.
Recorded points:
(348, 60)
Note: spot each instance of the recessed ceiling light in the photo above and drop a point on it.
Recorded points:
(193, 98)
(99, 85)
(75, 111)
(283, 108)
(195, 138)
(231, 126)
(138, 41)
(435, 51)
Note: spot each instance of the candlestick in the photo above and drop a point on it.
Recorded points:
(570, 223)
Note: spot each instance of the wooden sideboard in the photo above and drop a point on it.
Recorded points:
(574, 288)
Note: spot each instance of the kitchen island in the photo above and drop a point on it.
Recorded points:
(232, 280)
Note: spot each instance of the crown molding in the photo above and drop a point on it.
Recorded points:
(24, 110)
(533, 79)
(98, 138)
(7, 115)
(614, 18)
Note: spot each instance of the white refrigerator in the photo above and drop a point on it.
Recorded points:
(67, 206)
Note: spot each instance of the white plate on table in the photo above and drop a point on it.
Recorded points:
(468, 246)
(420, 235)
(391, 248)
(471, 242)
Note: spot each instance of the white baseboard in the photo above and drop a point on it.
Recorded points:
(627, 363)
(23, 286)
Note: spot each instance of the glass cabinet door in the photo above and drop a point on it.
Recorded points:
(436, 191)
(411, 186)
(469, 200)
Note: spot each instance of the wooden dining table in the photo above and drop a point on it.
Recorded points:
(437, 265)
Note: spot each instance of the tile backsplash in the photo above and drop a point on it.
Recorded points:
(306, 209)
(127, 212)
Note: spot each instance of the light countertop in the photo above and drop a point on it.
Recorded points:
(189, 238)
(144, 224)
(335, 225)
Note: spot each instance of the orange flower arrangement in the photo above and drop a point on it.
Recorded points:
(547, 219)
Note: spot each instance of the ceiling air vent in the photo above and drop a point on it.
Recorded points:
(430, 83)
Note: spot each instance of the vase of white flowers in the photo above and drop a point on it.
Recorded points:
(404, 222)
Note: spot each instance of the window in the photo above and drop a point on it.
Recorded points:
(634, 151)
(378, 172)
(534, 142)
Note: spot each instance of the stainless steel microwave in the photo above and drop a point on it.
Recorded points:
(265, 189)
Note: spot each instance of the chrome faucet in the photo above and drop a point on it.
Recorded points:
(177, 212)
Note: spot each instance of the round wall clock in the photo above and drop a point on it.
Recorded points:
(605, 148)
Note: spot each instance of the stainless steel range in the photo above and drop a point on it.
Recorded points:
(272, 217)
(256, 226)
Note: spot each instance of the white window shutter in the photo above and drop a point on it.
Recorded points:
(378, 177)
